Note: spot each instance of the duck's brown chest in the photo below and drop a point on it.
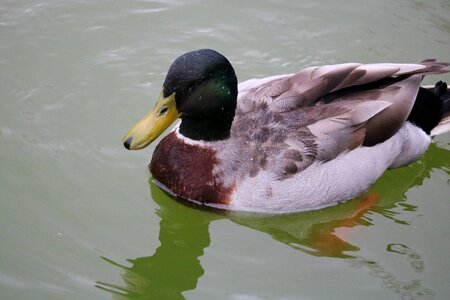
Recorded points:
(187, 170)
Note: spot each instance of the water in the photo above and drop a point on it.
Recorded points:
(78, 217)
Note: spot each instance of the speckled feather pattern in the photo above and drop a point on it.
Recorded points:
(325, 183)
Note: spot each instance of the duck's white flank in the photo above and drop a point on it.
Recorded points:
(327, 183)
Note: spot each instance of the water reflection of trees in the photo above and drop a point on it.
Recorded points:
(184, 235)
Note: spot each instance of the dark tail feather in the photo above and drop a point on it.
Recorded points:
(442, 92)
(428, 108)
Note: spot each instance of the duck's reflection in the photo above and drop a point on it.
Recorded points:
(184, 234)
(183, 238)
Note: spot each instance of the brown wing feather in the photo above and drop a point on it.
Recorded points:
(283, 117)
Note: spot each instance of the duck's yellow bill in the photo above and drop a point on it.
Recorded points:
(153, 124)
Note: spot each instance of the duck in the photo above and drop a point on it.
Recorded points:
(287, 143)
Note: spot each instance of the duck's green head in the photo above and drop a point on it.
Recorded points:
(201, 89)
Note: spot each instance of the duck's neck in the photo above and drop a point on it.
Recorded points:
(207, 129)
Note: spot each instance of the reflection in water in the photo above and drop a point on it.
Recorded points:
(412, 289)
(412, 257)
(184, 236)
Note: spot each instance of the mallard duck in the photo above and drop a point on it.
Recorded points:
(292, 142)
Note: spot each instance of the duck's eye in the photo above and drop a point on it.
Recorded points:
(163, 110)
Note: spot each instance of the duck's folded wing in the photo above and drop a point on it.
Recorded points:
(305, 88)
(363, 118)
(346, 105)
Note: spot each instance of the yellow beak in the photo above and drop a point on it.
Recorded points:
(153, 124)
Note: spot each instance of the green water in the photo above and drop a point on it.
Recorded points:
(78, 216)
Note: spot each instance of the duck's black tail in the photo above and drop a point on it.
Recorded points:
(443, 93)
(431, 110)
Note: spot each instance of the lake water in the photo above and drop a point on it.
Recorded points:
(78, 216)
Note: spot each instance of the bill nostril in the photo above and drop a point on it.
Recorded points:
(127, 143)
